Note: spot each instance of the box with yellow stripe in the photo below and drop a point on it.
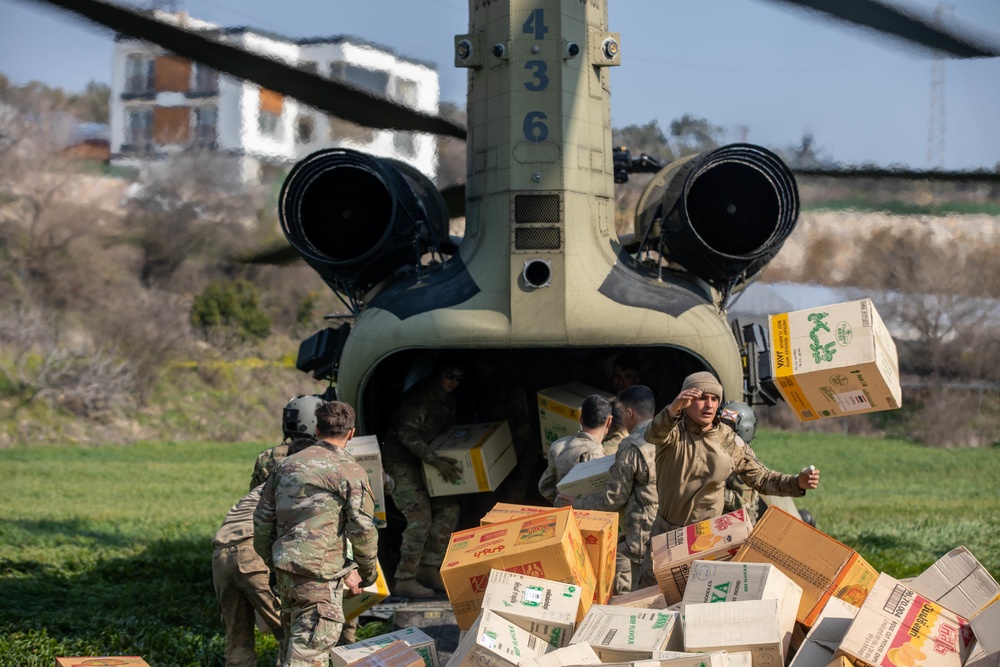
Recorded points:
(485, 452)
(834, 361)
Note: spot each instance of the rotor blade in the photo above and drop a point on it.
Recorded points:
(278, 253)
(981, 176)
(332, 97)
(894, 21)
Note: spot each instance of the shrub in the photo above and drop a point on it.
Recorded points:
(228, 312)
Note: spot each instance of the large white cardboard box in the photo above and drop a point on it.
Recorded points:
(559, 410)
(834, 361)
(416, 639)
(626, 634)
(485, 452)
(959, 582)
(587, 477)
(897, 626)
(366, 452)
(752, 626)
(716, 582)
(542, 607)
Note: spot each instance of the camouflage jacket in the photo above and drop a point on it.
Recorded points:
(423, 413)
(632, 487)
(563, 455)
(268, 459)
(310, 506)
(692, 465)
(237, 527)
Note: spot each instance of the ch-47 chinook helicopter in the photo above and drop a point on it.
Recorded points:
(540, 273)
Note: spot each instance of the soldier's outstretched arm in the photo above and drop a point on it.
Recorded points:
(411, 423)
(760, 477)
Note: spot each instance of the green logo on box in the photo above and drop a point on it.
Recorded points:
(844, 334)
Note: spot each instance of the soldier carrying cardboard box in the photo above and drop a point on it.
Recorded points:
(595, 419)
(632, 488)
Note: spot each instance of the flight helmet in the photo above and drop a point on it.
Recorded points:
(298, 419)
(740, 417)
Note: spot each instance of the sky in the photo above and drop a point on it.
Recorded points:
(737, 63)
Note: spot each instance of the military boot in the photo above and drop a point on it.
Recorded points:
(411, 588)
(431, 577)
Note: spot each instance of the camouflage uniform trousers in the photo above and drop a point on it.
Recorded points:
(242, 591)
(429, 521)
(312, 612)
(631, 575)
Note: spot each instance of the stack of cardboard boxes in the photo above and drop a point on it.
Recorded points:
(775, 594)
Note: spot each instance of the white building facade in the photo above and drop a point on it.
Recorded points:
(162, 104)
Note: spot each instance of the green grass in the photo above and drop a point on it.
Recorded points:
(901, 505)
(107, 550)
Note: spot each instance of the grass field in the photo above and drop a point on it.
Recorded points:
(108, 550)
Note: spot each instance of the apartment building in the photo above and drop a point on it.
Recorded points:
(162, 104)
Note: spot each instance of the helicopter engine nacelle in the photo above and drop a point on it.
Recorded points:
(721, 215)
(356, 218)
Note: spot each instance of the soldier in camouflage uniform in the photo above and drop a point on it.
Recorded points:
(616, 431)
(696, 452)
(425, 410)
(631, 487)
(241, 584)
(740, 495)
(310, 506)
(595, 419)
(298, 420)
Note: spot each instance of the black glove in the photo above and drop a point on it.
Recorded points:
(449, 469)
(272, 582)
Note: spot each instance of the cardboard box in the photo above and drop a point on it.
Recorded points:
(485, 453)
(600, 539)
(684, 659)
(834, 361)
(980, 658)
(355, 605)
(986, 626)
(366, 452)
(101, 661)
(752, 625)
(559, 411)
(625, 634)
(644, 598)
(716, 582)
(827, 632)
(898, 627)
(396, 654)
(543, 607)
(574, 654)
(413, 637)
(821, 565)
(959, 582)
(548, 546)
(587, 477)
(496, 642)
(715, 539)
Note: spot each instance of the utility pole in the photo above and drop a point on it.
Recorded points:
(936, 124)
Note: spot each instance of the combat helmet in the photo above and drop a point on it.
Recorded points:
(740, 417)
(298, 419)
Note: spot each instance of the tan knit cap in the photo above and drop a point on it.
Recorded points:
(704, 381)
